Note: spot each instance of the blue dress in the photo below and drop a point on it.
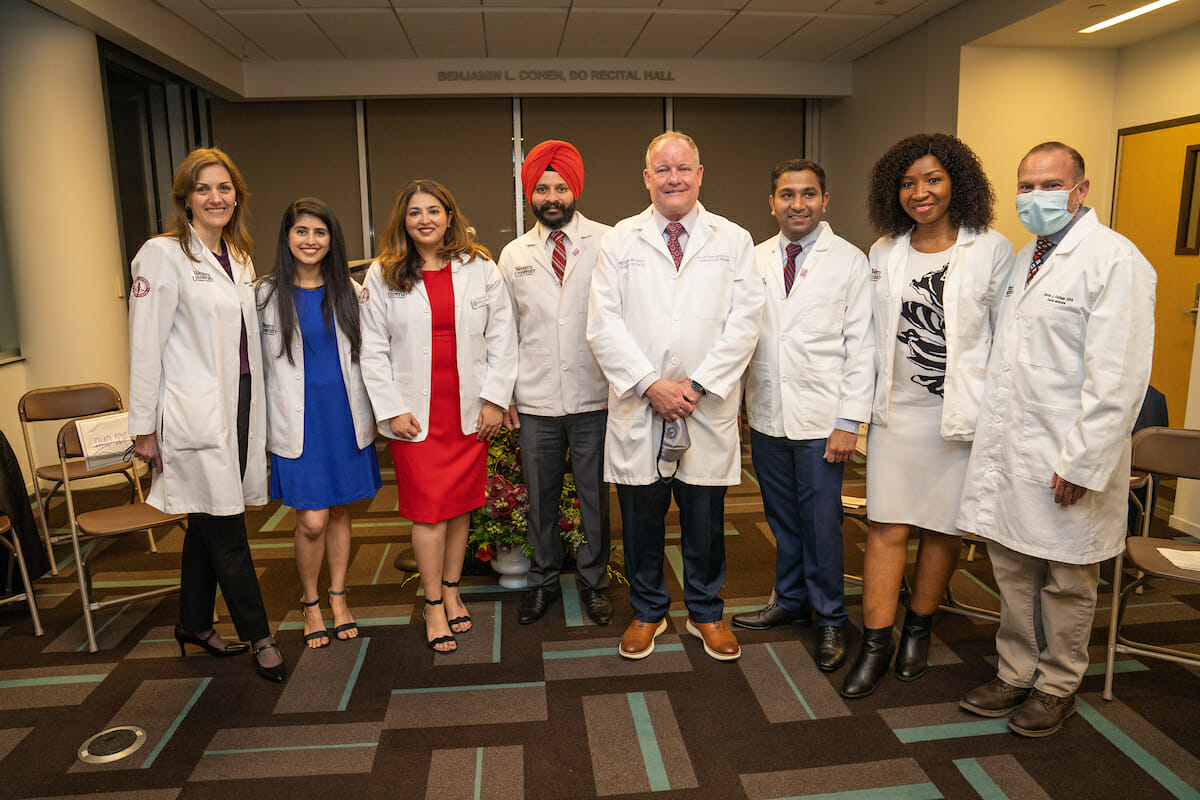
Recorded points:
(331, 469)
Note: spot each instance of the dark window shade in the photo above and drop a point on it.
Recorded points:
(289, 150)
(611, 135)
(464, 144)
(741, 141)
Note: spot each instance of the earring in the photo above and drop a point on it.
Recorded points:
(235, 203)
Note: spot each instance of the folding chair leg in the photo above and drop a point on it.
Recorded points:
(1113, 623)
(85, 595)
(135, 487)
(44, 527)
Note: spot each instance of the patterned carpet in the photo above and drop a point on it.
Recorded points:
(549, 710)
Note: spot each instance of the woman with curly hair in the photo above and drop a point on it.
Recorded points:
(938, 273)
(439, 357)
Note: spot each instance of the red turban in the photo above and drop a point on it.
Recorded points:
(562, 157)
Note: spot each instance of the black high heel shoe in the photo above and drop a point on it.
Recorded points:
(465, 619)
(185, 637)
(275, 674)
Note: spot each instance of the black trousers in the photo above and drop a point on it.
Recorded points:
(217, 552)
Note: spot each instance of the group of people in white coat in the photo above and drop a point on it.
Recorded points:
(999, 394)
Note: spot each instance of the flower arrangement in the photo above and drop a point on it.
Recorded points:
(502, 521)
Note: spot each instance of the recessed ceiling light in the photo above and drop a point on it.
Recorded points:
(1128, 15)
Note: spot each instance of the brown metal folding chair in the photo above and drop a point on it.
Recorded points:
(54, 404)
(102, 523)
(8, 539)
(1169, 452)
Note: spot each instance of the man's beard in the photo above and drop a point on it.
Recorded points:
(556, 219)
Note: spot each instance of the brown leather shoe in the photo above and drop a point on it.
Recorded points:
(719, 641)
(1041, 714)
(638, 639)
(994, 698)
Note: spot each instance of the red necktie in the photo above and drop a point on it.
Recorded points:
(559, 258)
(1039, 255)
(676, 250)
(789, 267)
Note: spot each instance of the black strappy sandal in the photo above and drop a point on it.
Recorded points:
(432, 644)
(345, 627)
(458, 620)
(321, 634)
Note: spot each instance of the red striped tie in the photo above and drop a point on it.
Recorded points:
(559, 258)
(789, 267)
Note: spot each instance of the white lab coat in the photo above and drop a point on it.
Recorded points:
(185, 326)
(701, 321)
(285, 381)
(815, 359)
(397, 346)
(980, 264)
(556, 371)
(1066, 379)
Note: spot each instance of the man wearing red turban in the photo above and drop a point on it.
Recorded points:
(560, 398)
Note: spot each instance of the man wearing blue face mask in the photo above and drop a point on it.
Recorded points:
(1048, 476)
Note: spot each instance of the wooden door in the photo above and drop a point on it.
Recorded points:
(1149, 180)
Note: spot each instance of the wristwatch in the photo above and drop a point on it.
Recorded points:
(699, 388)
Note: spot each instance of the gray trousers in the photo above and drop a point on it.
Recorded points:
(1046, 612)
(544, 442)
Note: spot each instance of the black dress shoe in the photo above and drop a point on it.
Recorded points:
(598, 609)
(535, 604)
(912, 654)
(831, 647)
(871, 663)
(275, 674)
(771, 615)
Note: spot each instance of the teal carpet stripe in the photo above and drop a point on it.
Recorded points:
(1128, 665)
(572, 609)
(674, 557)
(912, 791)
(483, 687)
(273, 523)
(136, 583)
(971, 576)
(271, 545)
(478, 773)
(749, 476)
(605, 652)
(245, 750)
(496, 633)
(1136, 753)
(980, 781)
(790, 682)
(358, 662)
(383, 559)
(53, 680)
(83, 645)
(677, 536)
(656, 771)
(380, 523)
(953, 730)
(175, 723)
(364, 622)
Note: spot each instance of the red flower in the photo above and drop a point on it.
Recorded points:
(484, 553)
(565, 524)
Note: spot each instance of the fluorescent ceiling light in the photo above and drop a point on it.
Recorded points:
(1128, 15)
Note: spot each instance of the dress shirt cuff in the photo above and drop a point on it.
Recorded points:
(847, 425)
(641, 386)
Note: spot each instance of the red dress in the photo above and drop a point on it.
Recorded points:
(442, 476)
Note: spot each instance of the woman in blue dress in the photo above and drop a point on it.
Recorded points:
(320, 427)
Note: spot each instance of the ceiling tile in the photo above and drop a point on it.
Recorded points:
(678, 35)
(250, 5)
(285, 36)
(890, 7)
(796, 6)
(524, 34)
(365, 45)
(823, 37)
(691, 5)
(530, 4)
(880, 36)
(600, 33)
(751, 35)
(345, 5)
(357, 20)
(614, 4)
(215, 27)
(434, 5)
(444, 34)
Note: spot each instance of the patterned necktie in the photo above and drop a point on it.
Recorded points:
(789, 267)
(559, 258)
(1039, 255)
(676, 250)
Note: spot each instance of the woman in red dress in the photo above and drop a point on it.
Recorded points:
(439, 358)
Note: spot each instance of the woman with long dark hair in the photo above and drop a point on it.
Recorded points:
(440, 360)
(195, 365)
(938, 277)
(320, 429)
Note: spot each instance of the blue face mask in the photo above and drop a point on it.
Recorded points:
(1044, 212)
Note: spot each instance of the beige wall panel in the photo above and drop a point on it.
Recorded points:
(740, 141)
(464, 144)
(611, 135)
(1156, 80)
(291, 150)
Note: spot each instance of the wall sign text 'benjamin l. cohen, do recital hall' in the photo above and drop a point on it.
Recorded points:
(565, 75)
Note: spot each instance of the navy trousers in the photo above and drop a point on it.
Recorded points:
(802, 498)
(702, 518)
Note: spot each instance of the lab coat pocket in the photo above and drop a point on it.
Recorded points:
(821, 313)
(1052, 340)
(1043, 433)
(192, 418)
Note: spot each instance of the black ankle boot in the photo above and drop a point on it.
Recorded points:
(871, 663)
(912, 656)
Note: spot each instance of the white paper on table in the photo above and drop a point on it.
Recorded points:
(1184, 559)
